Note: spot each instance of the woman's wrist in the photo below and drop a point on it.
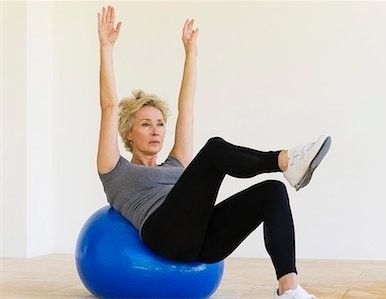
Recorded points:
(190, 54)
(106, 47)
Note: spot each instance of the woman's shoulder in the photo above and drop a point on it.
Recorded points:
(172, 162)
(121, 164)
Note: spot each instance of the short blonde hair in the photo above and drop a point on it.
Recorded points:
(130, 105)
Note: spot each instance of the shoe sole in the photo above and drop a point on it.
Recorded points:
(314, 163)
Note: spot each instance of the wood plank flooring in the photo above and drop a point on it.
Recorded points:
(54, 277)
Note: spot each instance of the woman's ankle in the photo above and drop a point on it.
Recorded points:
(288, 282)
(283, 160)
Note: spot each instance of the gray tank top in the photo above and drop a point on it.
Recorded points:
(136, 191)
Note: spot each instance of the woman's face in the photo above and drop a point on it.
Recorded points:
(148, 132)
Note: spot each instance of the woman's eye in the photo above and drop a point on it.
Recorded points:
(145, 124)
(161, 124)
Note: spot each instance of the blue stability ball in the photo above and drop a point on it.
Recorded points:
(113, 262)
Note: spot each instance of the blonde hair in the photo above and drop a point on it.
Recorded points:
(130, 105)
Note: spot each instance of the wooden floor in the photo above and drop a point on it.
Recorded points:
(55, 277)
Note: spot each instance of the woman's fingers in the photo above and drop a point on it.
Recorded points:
(112, 14)
(99, 20)
(185, 28)
(108, 14)
(103, 15)
(188, 32)
(190, 26)
(194, 35)
(107, 33)
(118, 28)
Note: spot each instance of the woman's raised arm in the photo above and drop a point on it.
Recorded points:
(183, 143)
(108, 150)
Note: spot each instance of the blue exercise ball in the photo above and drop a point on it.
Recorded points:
(113, 262)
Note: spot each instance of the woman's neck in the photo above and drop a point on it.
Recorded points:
(144, 160)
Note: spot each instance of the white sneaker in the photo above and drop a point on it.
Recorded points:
(298, 293)
(303, 160)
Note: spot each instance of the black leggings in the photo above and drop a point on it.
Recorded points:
(189, 226)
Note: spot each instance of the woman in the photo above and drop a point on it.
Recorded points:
(173, 204)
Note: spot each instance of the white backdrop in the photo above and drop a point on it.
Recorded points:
(271, 75)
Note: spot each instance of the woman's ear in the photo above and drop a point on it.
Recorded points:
(128, 136)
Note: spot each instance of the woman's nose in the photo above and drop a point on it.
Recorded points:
(155, 131)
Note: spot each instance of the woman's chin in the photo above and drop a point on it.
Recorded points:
(154, 150)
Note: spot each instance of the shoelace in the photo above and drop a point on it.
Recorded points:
(302, 150)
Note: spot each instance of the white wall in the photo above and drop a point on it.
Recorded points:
(27, 74)
(13, 133)
(271, 75)
(39, 128)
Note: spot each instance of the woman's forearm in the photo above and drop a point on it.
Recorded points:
(108, 94)
(188, 84)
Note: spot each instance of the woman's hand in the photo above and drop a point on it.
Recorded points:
(189, 37)
(107, 34)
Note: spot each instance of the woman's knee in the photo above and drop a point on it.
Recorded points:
(215, 141)
(275, 189)
(214, 145)
(273, 185)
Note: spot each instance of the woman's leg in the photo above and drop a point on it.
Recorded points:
(188, 226)
(236, 217)
(178, 228)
